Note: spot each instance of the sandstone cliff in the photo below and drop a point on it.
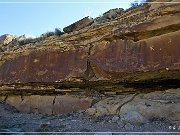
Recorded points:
(136, 44)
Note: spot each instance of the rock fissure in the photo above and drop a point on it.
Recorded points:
(22, 98)
(128, 101)
(89, 74)
(6, 97)
(54, 100)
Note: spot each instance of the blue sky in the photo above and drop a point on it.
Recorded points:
(37, 18)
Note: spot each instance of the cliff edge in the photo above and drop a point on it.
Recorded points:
(128, 45)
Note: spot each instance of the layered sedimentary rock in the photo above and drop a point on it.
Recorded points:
(44, 66)
(78, 25)
(48, 104)
(140, 40)
(149, 54)
(141, 107)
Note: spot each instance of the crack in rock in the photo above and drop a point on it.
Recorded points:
(89, 73)
(22, 98)
(54, 101)
(119, 108)
(5, 98)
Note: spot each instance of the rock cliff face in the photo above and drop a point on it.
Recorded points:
(143, 39)
(44, 66)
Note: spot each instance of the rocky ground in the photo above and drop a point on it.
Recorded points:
(12, 120)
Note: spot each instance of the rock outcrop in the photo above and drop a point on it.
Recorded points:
(78, 25)
(48, 104)
(140, 40)
(109, 15)
(141, 107)
(6, 39)
(125, 63)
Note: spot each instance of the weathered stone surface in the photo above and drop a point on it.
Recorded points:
(2, 98)
(37, 104)
(66, 104)
(110, 15)
(46, 66)
(142, 107)
(153, 109)
(158, 105)
(133, 117)
(78, 25)
(6, 39)
(136, 41)
(118, 56)
(91, 111)
(48, 104)
(151, 54)
(109, 105)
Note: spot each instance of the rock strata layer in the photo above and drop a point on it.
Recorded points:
(140, 108)
(138, 40)
(48, 104)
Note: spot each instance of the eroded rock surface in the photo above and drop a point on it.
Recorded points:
(79, 25)
(141, 107)
(140, 39)
(46, 66)
(138, 46)
(48, 104)
(6, 39)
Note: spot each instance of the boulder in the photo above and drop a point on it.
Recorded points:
(109, 15)
(113, 13)
(6, 39)
(79, 25)
(162, 105)
(133, 117)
